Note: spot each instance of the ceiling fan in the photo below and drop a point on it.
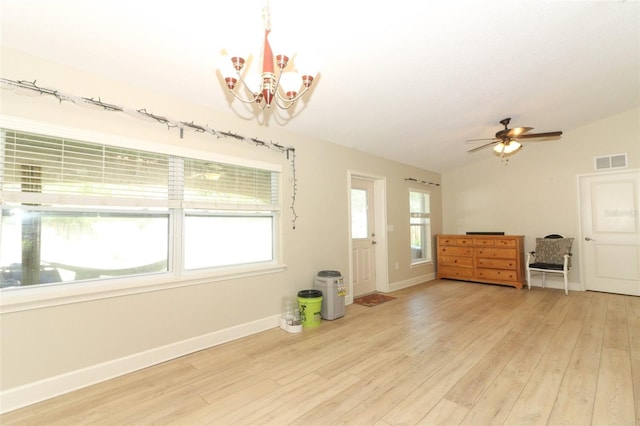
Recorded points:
(506, 140)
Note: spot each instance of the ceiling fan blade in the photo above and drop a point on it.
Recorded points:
(478, 148)
(483, 139)
(539, 135)
(515, 132)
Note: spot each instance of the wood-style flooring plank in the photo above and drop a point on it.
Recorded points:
(633, 321)
(614, 402)
(576, 396)
(445, 413)
(614, 397)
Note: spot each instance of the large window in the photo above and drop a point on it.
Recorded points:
(75, 211)
(420, 226)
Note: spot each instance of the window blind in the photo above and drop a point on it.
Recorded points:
(419, 204)
(38, 168)
(53, 166)
(229, 185)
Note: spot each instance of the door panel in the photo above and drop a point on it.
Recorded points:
(362, 237)
(362, 258)
(611, 232)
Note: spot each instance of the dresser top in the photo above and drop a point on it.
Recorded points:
(478, 236)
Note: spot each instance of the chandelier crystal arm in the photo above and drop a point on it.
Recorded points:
(256, 96)
(246, 101)
(285, 103)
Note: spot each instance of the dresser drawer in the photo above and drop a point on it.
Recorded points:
(456, 251)
(455, 272)
(500, 242)
(455, 241)
(464, 242)
(496, 274)
(466, 262)
(497, 263)
(485, 242)
(501, 253)
(446, 241)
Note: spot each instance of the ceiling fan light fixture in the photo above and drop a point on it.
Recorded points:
(508, 147)
(211, 176)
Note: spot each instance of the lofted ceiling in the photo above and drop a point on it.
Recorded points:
(406, 80)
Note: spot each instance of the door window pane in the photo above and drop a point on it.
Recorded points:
(359, 216)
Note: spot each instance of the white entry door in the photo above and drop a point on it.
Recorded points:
(363, 242)
(611, 232)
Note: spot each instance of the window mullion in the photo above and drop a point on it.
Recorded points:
(176, 241)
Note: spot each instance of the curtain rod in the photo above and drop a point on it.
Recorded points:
(423, 182)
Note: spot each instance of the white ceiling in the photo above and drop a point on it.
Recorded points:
(407, 80)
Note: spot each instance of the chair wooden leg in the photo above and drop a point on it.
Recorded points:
(543, 277)
(566, 284)
(528, 278)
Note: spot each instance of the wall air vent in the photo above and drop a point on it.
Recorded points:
(616, 161)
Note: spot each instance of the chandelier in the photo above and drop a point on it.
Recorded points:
(275, 84)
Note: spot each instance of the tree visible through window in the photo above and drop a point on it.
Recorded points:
(420, 226)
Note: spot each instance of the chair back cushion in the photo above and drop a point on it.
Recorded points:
(552, 250)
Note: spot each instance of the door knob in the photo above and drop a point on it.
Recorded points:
(588, 239)
(374, 242)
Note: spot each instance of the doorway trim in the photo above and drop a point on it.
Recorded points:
(380, 215)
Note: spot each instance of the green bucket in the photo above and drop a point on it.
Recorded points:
(310, 302)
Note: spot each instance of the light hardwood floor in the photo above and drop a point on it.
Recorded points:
(444, 352)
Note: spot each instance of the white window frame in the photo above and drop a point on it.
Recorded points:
(13, 299)
(427, 238)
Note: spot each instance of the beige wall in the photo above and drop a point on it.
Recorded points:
(47, 350)
(537, 193)
(51, 349)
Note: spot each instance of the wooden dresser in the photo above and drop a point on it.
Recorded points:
(494, 259)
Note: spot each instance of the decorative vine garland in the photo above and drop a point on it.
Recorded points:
(142, 113)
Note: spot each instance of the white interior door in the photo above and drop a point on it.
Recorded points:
(611, 232)
(363, 242)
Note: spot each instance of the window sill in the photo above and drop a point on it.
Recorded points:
(421, 263)
(16, 299)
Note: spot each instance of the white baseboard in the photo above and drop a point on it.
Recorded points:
(550, 283)
(411, 282)
(12, 399)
